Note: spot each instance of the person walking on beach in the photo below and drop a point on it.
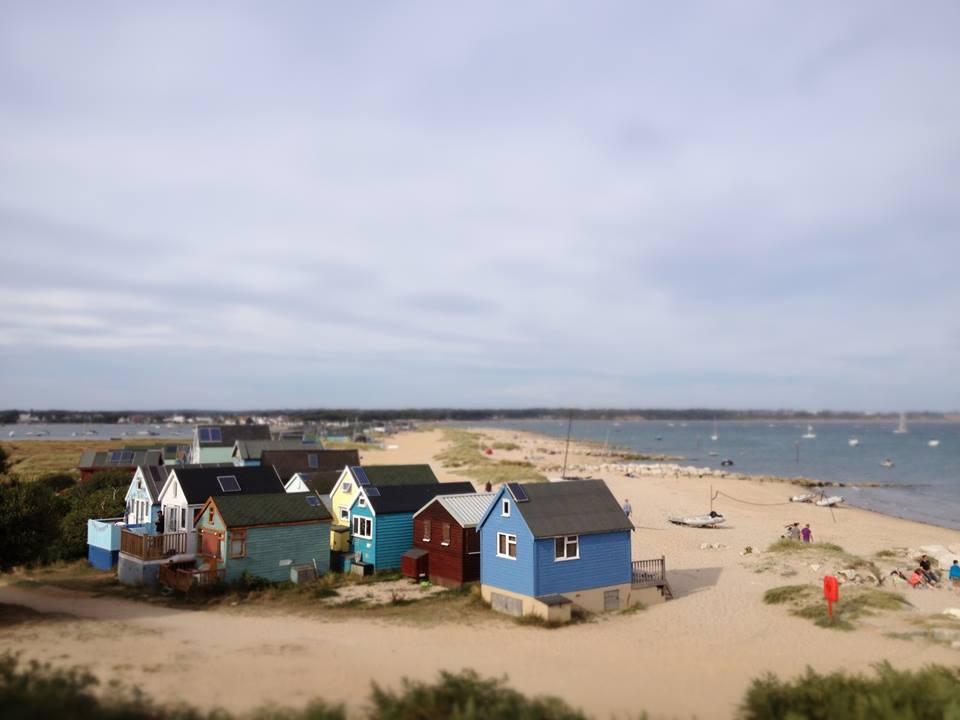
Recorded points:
(627, 509)
(955, 575)
(807, 533)
(793, 531)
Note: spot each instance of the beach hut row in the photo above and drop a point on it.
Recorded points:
(535, 548)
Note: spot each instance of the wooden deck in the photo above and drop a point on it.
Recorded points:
(649, 573)
(152, 547)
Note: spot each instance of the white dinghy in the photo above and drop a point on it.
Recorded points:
(829, 501)
(713, 519)
(805, 498)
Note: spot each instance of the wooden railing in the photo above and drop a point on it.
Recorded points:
(648, 573)
(153, 547)
(183, 576)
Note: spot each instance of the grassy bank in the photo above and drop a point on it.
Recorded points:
(29, 459)
(465, 454)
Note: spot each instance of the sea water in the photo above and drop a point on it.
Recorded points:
(923, 484)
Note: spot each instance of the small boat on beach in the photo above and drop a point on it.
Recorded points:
(713, 519)
(829, 501)
(887, 463)
(853, 442)
(933, 443)
(726, 462)
(805, 498)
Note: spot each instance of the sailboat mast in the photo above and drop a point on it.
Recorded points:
(567, 449)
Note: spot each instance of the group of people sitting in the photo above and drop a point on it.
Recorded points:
(924, 576)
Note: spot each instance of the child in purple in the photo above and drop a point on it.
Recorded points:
(807, 533)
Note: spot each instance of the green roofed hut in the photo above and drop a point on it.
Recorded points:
(276, 537)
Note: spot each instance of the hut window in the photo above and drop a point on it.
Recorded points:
(446, 534)
(362, 502)
(426, 531)
(183, 517)
(344, 512)
(210, 515)
(313, 461)
(362, 527)
(507, 546)
(347, 487)
(566, 547)
(505, 508)
(238, 544)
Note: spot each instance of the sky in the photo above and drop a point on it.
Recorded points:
(498, 204)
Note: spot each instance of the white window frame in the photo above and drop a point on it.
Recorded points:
(357, 531)
(427, 533)
(509, 538)
(344, 512)
(505, 508)
(568, 540)
(346, 487)
(445, 530)
(362, 501)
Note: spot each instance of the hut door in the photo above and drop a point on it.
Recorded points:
(211, 545)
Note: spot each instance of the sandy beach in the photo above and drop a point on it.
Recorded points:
(694, 655)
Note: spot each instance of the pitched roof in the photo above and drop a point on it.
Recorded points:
(251, 449)
(577, 507)
(385, 475)
(409, 498)
(154, 476)
(200, 483)
(290, 462)
(229, 434)
(270, 509)
(467, 509)
(321, 482)
(121, 459)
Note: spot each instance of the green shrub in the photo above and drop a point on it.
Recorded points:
(466, 696)
(787, 593)
(505, 446)
(933, 693)
(106, 502)
(57, 482)
(29, 523)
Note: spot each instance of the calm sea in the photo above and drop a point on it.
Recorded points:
(94, 431)
(924, 481)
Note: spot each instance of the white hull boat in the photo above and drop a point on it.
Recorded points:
(699, 521)
(902, 425)
(830, 501)
(809, 434)
(805, 498)
(853, 442)
(933, 443)
(888, 463)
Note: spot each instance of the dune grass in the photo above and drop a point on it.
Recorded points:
(830, 551)
(855, 603)
(464, 454)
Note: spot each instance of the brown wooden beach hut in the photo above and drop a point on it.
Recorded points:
(446, 545)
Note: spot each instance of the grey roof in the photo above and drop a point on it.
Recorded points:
(121, 458)
(415, 553)
(154, 476)
(229, 434)
(554, 600)
(252, 449)
(467, 509)
(383, 475)
(200, 483)
(409, 498)
(578, 507)
(290, 462)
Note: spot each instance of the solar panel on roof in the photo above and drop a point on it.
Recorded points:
(519, 494)
(228, 483)
(372, 491)
(215, 435)
(313, 500)
(361, 475)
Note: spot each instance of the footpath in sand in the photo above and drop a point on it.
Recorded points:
(692, 656)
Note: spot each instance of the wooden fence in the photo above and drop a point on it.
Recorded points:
(183, 576)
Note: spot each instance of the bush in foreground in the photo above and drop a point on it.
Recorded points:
(931, 693)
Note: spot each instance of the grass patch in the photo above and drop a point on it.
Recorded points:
(833, 552)
(505, 446)
(31, 459)
(855, 602)
(933, 692)
(892, 553)
(634, 609)
(787, 593)
(465, 456)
